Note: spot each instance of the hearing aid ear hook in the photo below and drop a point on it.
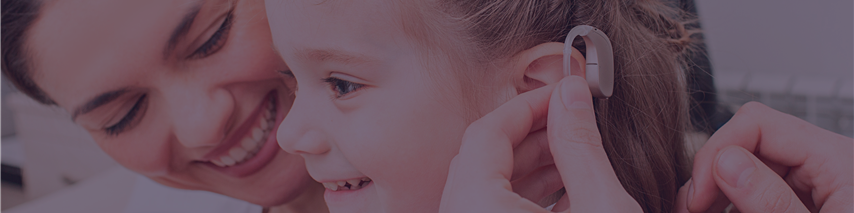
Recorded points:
(600, 59)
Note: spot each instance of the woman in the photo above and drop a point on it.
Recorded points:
(183, 92)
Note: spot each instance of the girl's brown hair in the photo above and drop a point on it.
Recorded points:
(643, 123)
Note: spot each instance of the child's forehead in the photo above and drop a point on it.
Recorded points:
(337, 24)
(366, 9)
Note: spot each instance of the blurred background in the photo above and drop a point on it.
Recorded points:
(795, 56)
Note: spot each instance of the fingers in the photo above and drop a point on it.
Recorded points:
(534, 175)
(783, 141)
(486, 148)
(532, 153)
(682, 201)
(539, 185)
(575, 143)
(752, 186)
(484, 164)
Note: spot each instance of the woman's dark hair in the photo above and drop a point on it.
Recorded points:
(18, 17)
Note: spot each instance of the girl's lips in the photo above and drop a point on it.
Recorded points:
(253, 145)
(349, 199)
(344, 185)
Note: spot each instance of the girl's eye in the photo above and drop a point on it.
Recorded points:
(130, 119)
(342, 87)
(216, 41)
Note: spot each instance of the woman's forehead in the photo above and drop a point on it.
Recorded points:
(76, 41)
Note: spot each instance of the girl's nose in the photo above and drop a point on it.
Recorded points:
(298, 134)
(201, 118)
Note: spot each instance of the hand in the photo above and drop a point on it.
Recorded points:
(767, 161)
(479, 176)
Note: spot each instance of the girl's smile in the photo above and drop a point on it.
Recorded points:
(375, 126)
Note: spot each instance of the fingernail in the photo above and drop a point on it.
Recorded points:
(574, 99)
(734, 166)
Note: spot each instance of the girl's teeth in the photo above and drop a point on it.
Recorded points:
(331, 186)
(353, 183)
(237, 153)
(216, 162)
(228, 161)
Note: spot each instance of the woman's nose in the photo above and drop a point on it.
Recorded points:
(201, 118)
(298, 132)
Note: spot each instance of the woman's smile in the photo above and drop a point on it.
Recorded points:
(183, 92)
(248, 149)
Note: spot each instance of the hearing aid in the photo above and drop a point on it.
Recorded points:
(600, 59)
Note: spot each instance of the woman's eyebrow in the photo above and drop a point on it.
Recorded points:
(98, 101)
(182, 28)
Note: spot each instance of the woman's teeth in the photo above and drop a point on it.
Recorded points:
(253, 141)
(352, 184)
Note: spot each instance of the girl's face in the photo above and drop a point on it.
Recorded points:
(372, 125)
(184, 92)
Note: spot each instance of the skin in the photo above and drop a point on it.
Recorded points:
(196, 102)
(363, 133)
(480, 174)
(357, 133)
(347, 128)
(764, 160)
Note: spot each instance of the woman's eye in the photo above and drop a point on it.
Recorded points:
(130, 119)
(216, 41)
(342, 87)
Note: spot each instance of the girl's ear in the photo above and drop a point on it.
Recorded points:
(543, 64)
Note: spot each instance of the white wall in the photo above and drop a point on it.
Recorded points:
(780, 36)
(8, 124)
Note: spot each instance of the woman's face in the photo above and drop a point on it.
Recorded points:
(184, 92)
(374, 125)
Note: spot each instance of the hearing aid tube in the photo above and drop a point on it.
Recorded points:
(600, 59)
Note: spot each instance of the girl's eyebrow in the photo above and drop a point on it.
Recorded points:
(182, 28)
(336, 56)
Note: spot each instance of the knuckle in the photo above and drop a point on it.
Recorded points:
(752, 108)
(775, 199)
(583, 136)
(749, 113)
(753, 105)
(477, 127)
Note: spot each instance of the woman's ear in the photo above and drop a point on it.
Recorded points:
(543, 64)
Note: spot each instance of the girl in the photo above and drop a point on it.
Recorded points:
(387, 88)
(184, 92)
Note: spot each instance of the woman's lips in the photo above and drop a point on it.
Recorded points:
(250, 148)
(351, 200)
(252, 142)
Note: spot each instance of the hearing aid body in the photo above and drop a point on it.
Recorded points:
(600, 59)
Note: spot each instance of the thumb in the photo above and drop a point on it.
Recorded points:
(576, 145)
(751, 185)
